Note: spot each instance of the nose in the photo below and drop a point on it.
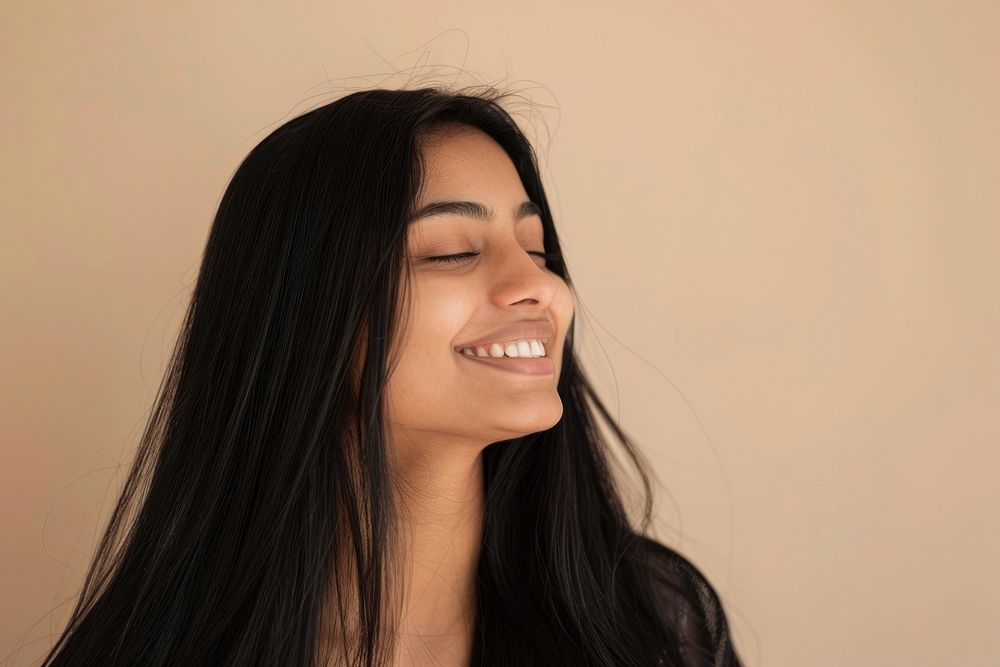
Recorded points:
(519, 278)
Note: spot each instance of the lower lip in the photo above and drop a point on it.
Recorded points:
(539, 366)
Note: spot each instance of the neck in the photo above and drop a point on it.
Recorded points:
(441, 505)
(441, 535)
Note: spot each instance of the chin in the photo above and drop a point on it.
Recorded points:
(545, 419)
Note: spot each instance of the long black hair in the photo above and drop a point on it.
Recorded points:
(261, 477)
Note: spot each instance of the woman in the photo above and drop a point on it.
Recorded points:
(374, 444)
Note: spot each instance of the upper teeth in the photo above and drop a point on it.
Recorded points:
(524, 348)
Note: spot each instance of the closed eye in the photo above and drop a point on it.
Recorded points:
(463, 256)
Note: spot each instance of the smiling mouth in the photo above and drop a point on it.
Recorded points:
(522, 348)
(541, 366)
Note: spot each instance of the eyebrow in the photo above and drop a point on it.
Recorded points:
(473, 209)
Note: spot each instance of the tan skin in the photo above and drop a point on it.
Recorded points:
(443, 410)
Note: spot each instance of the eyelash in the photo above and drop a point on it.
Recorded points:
(461, 257)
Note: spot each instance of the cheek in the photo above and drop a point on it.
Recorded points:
(426, 367)
(439, 310)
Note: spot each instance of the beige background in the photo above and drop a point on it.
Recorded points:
(782, 220)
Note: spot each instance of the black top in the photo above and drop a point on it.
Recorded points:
(692, 606)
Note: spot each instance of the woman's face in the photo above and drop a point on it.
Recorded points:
(437, 396)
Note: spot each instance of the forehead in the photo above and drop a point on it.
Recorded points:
(462, 162)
